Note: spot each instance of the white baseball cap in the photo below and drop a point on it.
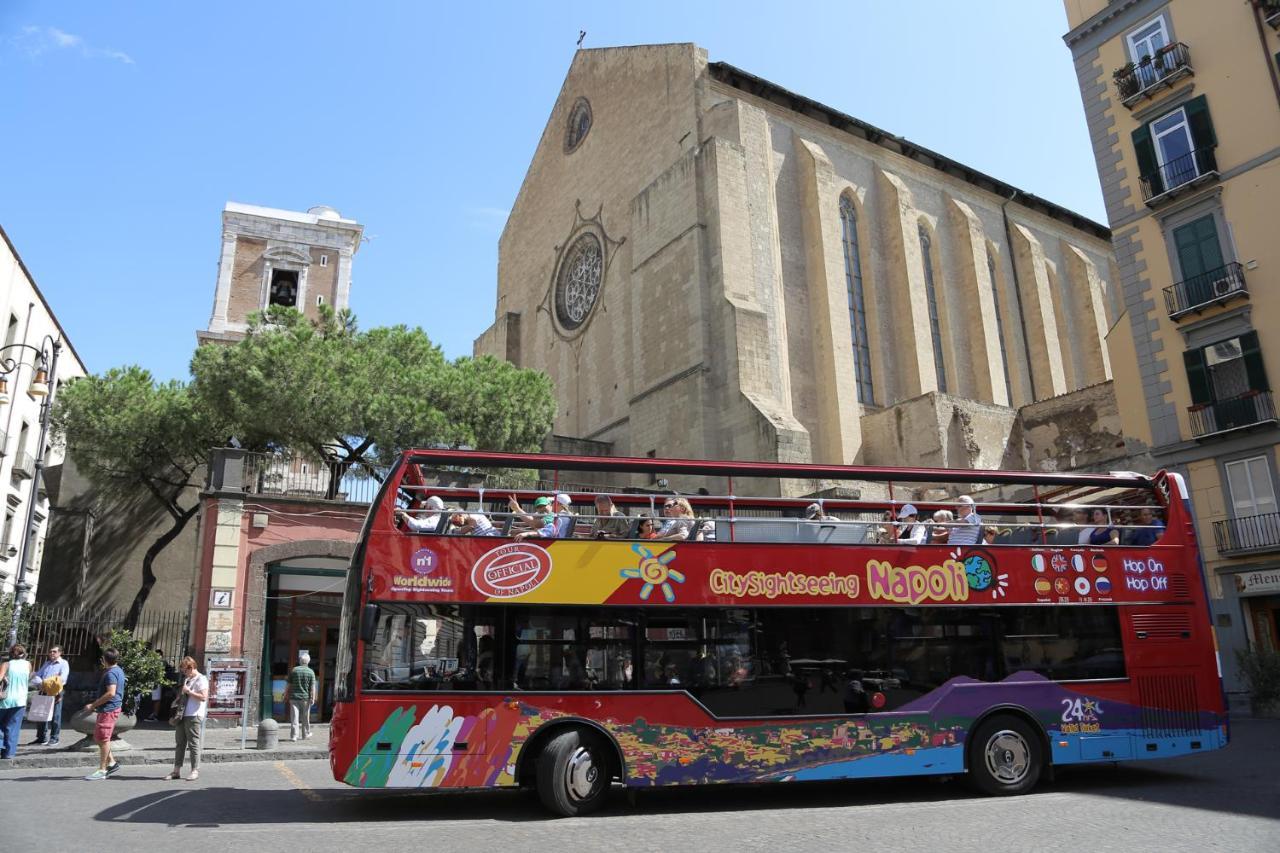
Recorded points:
(907, 511)
(564, 500)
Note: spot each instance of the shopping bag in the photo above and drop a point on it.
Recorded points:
(41, 710)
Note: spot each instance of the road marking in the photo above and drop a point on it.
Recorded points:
(302, 787)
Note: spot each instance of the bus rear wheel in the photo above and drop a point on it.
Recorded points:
(573, 773)
(1006, 756)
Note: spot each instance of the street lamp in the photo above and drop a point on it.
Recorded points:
(46, 371)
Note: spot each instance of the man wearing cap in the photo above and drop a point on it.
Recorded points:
(968, 529)
(552, 525)
(910, 530)
(813, 512)
(426, 523)
(50, 678)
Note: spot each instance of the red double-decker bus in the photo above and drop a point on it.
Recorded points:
(571, 636)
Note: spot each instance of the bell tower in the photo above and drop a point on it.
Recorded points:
(280, 257)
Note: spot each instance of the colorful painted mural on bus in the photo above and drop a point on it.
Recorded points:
(925, 737)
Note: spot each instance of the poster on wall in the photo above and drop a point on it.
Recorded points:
(228, 687)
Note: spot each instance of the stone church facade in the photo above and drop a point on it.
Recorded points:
(710, 266)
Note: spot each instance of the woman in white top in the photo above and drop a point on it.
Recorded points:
(193, 699)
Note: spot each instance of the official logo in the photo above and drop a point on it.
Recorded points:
(1082, 586)
(424, 561)
(511, 570)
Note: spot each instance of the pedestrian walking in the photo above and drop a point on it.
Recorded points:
(51, 678)
(189, 727)
(15, 674)
(107, 705)
(302, 695)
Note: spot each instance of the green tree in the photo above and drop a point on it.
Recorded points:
(126, 431)
(352, 397)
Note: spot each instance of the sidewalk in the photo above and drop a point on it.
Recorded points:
(153, 743)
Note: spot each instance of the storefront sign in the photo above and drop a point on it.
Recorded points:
(1258, 583)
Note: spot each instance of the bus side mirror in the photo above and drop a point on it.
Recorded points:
(369, 623)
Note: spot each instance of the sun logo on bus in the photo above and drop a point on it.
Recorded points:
(655, 572)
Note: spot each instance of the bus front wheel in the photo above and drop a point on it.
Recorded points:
(1006, 756)
(573, 773)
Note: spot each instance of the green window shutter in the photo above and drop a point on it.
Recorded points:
(1145, 151)
(1202, 135)
(1197, 376)
(1253, 362)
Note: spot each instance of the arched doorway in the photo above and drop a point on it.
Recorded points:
(301, 591)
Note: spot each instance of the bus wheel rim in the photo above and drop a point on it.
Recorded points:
(1008, 756)
(582, 778)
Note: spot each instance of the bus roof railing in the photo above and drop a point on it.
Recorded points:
(694, 467)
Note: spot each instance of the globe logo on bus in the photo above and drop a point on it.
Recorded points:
(655, 572)
(977, 569)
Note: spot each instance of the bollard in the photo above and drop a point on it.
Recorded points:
(268, 734)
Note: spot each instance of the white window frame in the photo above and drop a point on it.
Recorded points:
(1245, 478)
(1134, 55)
(1185, 127)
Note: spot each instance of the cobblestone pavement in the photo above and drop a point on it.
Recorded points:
(1227, 800)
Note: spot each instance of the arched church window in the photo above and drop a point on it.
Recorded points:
(579, 124)
(931, 295)
(857, 302)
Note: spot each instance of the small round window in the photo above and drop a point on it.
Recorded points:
(578, 281)
(579, 125)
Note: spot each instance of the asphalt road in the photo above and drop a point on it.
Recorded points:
(1228, 800)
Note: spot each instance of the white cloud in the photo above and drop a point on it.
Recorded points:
(35, 41)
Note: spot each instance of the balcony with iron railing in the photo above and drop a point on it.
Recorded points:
(1178, 175)
(24, 466)
(1250, 534)
(1214, 287)
(1151, 74)
(1253, 408)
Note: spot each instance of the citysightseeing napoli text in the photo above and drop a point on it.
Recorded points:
(885, 581)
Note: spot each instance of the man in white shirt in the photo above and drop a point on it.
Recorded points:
(968, 529)
(423, 523)
(910, 530)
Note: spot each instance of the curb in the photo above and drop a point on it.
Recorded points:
(89, 759)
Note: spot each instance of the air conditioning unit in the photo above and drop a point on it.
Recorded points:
(1222, 286)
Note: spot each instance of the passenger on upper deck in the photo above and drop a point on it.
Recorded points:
(815, 512)
(910, 530)
(424, 523)
(989, 534)
(969, 529)
(471, 523)
(1102, 533)
(558, 526)
(541, 510)
(941, 530)
(679, 515)
(1151, 530)
(646, 529)
(611, 522)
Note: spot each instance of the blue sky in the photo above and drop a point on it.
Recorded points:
(129, 125)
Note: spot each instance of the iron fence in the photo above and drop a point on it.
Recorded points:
(1248, 533)
(82, 633)
(293, 475)
(1169, 63)
(1178, 172)
(1255, 407)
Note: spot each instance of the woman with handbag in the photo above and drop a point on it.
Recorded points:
(187, 718)
(14, 675)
